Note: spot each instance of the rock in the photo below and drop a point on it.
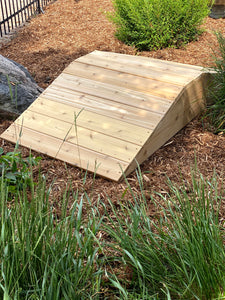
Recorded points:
(17, 87)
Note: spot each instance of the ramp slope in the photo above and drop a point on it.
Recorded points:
(108, 111)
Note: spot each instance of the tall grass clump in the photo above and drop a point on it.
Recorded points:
(216, 108)
(178, 255)
(155, 24)
(43, 255)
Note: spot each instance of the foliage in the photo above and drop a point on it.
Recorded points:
(216, 108)
(180, 254)
(15, 169)
(155, 24)
(44, 256)
(48, 254)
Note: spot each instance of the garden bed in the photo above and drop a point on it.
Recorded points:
(70, 29)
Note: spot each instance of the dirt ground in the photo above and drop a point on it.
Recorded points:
(69, 29)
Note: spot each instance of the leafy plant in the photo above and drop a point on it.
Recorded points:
(180, 254)
(16, 170)
(216, 107)
(155, 24)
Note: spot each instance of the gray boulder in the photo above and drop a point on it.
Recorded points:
(17, 88)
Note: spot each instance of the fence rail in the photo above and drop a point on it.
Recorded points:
(14, 13)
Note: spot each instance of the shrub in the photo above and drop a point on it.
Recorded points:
(155, 24)
(216, 108)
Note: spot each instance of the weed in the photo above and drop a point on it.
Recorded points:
(16, 170)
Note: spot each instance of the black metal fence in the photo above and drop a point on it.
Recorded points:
(14, 13)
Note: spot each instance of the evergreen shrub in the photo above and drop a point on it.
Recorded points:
(155, 24)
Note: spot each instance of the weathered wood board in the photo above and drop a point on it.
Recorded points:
(107, 112)
(218, 9)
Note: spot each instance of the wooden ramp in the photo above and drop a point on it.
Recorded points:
(108, 111)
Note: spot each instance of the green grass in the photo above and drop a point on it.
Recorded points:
(179, 255)
(44, 256)
(216, 108)
(48, 255)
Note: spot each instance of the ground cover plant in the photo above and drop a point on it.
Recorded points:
(155, 24)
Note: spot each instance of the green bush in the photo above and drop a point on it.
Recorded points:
(155, 24)
(216, 108)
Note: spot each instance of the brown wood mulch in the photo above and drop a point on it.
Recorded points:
(69, 29)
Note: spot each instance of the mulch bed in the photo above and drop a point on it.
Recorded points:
(69, 29)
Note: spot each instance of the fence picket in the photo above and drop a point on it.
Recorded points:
(13, 13)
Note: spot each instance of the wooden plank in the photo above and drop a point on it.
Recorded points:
(92, 161)
(90, 120)
(139, 61)
(108, 108)
(188, 105)
(32, 139)
(78, 156)
(83, 137)
(165, 74)
(112, 93)
(123, 117)
(45, 124)
(103, 143)
(120, 79)
(219, 2)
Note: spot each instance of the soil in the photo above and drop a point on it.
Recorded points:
(69, 29)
